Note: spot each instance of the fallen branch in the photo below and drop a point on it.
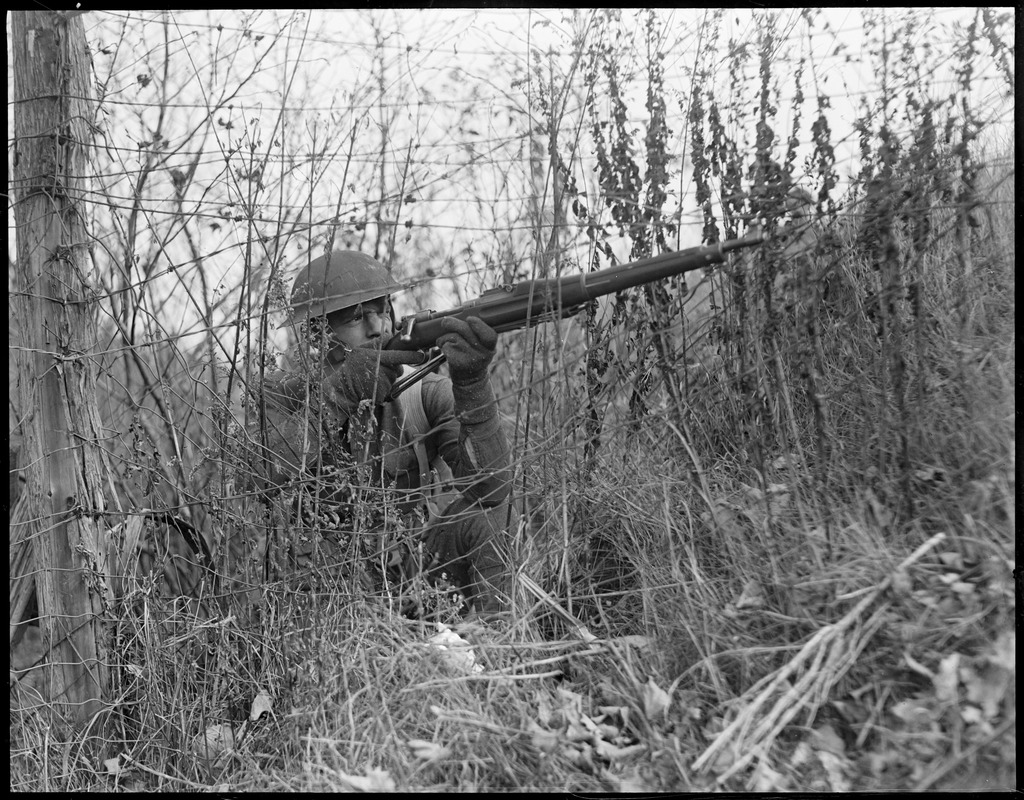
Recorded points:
(821, 662)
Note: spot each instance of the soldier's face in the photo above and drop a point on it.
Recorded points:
(365, 325)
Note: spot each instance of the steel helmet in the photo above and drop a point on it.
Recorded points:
(337, 280)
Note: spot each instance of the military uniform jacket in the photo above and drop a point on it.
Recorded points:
(434, 437)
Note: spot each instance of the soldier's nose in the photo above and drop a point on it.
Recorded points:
(374, 324)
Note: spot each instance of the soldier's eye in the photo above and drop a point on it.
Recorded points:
(348, 317)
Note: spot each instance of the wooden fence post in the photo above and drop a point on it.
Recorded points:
(55, 301)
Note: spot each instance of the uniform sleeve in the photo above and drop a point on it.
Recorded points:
(292, 435)
(469, 436)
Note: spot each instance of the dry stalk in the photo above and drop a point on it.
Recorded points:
(22, 577)
(966, 755)
(543, 597)
(821, 662)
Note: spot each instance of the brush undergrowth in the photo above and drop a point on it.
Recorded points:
(790, 537)
(699, 576)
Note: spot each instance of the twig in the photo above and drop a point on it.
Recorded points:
(970, 752)
(134, 764)
(483, 676)
(822, 642)
(545, 598)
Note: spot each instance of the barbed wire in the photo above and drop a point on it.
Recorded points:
(453, 50)
(106, 198)
(181, 268)
(147, 205)
(462, 103)
(477, 159)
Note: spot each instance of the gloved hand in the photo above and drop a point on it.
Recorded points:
(469, 347)
(367, 373)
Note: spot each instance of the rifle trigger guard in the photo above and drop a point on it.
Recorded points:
(432, 359)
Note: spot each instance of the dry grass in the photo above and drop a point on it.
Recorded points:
(783, 618)
(804, 585)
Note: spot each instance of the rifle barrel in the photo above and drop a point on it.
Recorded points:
(655, 268)
(515, 306)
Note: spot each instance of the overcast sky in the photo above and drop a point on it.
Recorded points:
(450, 72)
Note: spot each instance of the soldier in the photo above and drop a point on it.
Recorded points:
(440, 426)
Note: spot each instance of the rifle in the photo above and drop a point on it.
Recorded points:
(513, 306)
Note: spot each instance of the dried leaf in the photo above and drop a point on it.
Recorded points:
(930, 475)
(543, 708)
(915, 713)
(577, 732)
(926, 599)
(724, 761)
(816, 539)
(766, 779)
(986, 688)
(901, 582)
(613, 753)
(752, 596)
(788, 460)
(589, 724)
(630, 782)
(213, 743)
(801, 755)
(687, 701)
(825, 738)
(656, 701)
(571, 702)
(947, 679)
(375, 780)
(779, 497)
(609, 732)
(581, 756)
(633, 640)
(543, 740)
(753, 494)
(428, 751)
(113, 766)
(972, 715)
(882, 515)
(727, 521)
(834, 769)
(261, 705)
(999, 572)
(1004, 651)
(876, 762)
(456, 653)
(621, 712)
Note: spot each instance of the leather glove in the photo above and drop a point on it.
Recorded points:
(367, 374)
(468, 345)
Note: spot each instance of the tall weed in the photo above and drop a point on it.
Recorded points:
(712, 473)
